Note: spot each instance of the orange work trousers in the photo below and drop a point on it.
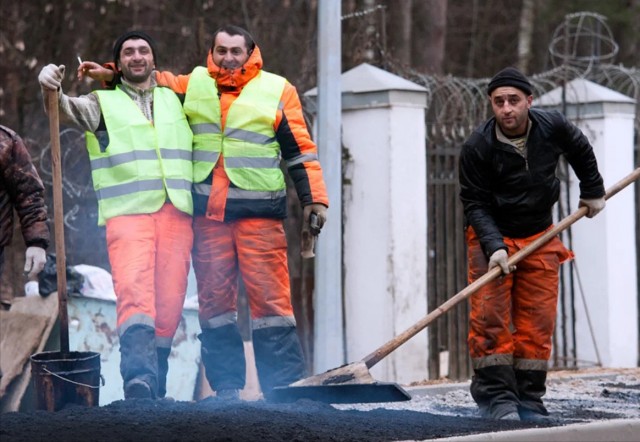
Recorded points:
(150, 258)
(516, 313)
(254, 248)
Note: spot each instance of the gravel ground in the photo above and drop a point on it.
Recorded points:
(584, 396)
(436, 411)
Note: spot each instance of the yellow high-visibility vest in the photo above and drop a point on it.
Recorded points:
(251, 152)
(144, 163)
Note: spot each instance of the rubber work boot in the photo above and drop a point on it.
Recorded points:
(163, 369)
(532, 416)
(494, 390)
(137, 389)
(222, 353)
(512, 416)
(279, 358)
(139, 362)
(228, 394)
(531, 388)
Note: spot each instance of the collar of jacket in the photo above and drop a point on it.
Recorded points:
(235, 79)
(132, 90)
(506, 140)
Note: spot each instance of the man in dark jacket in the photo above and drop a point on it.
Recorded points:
(508, 187)
(21, 189)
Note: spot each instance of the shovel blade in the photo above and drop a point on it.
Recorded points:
(354, 373)
(342, 394)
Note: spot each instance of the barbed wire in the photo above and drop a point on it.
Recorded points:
(455, 105)
(357, 14)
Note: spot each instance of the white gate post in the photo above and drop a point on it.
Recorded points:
(604, 246)
(384, 217)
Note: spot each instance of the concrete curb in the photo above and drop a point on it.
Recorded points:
(619, 430)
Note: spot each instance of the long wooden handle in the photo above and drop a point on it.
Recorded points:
(384, 350)
(58, 218)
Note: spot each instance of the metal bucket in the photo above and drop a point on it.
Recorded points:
(62, 379)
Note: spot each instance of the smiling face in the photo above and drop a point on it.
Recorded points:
(230, 51)
(136, 60)
(511, 107)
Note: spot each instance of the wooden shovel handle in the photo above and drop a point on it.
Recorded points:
(384, 350)
(58, 218)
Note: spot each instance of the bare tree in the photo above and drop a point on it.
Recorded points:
(527, 20)
(399, 18)
(430, 32)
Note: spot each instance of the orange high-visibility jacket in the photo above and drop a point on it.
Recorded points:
(291, 133)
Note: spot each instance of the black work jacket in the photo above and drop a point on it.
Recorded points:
(504, 194)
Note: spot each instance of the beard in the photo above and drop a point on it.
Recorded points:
(136, 77)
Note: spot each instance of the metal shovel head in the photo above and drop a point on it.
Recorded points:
(342, 394)
(354, 373)
(348, 384)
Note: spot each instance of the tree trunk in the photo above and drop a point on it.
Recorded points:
(527, 19)
(399, 31)
(430, 19)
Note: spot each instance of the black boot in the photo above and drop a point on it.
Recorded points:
(494, 390)
(163, 369)
(139, 362)
(279, 358)
(531, 388)
(222, 354)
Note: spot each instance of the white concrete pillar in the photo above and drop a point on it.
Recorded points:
(605, 245)
(384, 219)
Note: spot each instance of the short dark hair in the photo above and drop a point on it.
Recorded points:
(234, 30)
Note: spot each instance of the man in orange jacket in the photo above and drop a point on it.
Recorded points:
(244, 121)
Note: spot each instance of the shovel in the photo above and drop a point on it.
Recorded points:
(64, 377)
(58, 219)
(353, 383)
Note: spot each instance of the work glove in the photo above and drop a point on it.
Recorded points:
(321, 217)
(499, 258)
(51, 76)
(311, 228)
(594, 206)
(35, 258)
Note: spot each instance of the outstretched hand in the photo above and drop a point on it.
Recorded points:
(94, 71)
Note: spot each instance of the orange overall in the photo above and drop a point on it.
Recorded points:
(512, 319)
(149, 256)
(242, 235)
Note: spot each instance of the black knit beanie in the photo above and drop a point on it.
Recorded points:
(510, 77)
(133, 34)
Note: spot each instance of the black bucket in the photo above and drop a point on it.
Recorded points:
(63, 379)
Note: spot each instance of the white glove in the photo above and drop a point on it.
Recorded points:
(35, 258)
(51, 76)
(499, 258)
(594, 206)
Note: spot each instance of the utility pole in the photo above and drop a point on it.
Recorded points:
(329, 342)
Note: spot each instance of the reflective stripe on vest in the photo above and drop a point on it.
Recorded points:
(251, 152)
(145, 164)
